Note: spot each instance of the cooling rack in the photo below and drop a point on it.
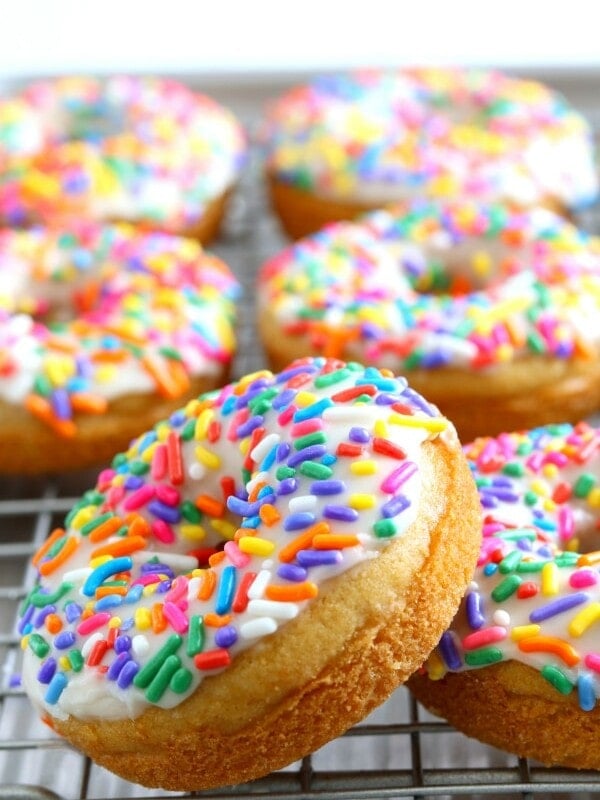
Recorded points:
(399, 751)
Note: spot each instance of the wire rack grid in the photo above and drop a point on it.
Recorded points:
(399, 751)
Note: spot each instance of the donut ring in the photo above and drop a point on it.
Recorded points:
(492, 313)
(200, 623)
(519, 667)
(142, 150)
(103, 331)
(348, 143)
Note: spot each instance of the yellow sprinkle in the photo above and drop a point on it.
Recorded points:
(361, 501)
(366, 467)
(149, 590)
(550, 470)
(436, 668)
(207, 458)
(523, 631)
(143, 618)
(435, 425)
(64, 663)
(380, 429)
(255, 546)
(586, 617)
(204, 419)
(83, 516)
(593, 497)
(226, 529)
(550, 579)
(304, 399)
(193, 532)
(25, 641)
(59, 369)
(540, 487)
(162, 431)
(549, 504)
(105, 373)
(115, 622)
(244, 445)
(96, 562)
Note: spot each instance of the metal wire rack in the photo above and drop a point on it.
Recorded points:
(399, 751)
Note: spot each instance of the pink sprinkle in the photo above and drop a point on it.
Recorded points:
(178, 589)
(93, 623)
(168, 494)
(105, 477)
(158, 468)
(398, 477)
(582, 578)
(146, 580)
(162, 531)
(484, 637)
(560, 459)
(306, 426)
(175, 617)
(238, 419)
(286, 415)
(535, 462)
(235, 555)
(490, 528)
(566, 523)
(139, 498)
(114, 496)
(592, 660)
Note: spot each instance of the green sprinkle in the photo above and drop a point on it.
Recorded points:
(188, 430)
(76, 660)
(38, 645)
(170, 352)
(318, 437)
(566, 559)
(584, 484)
(557, 678)
(530, 498)
(42, 386)
(313, 469)
(196, 635)
(151, 668)
(483, 656)
(181, 681)
(284, 472)
(95, 523)
(139, 467)
(40, 599)
(514, 468)
(330, 378)
(384, 528)
(506, 588)
(531, 566)
(516, 534)
(160, 682)
(190, 512)
(510, 562)
(535, 342)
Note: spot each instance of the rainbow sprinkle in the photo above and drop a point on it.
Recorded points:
(535, 596)
(174, 563)
(128, 148)
(377, 137)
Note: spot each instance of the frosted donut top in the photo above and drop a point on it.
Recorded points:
(217, 527)
(138, 149)
(454, 284)
(380, 136)
(535, 596)
(90, 312)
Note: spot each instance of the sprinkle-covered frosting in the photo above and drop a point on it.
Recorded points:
(217, 527)
(381, 136)
(454, 284)
(91, 312)
(137, 149)
(535, 596)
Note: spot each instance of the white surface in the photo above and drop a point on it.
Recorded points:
(233, 36)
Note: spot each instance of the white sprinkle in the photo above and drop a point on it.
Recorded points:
(304, 502)
(264, 446)
(77, 575)
(501, 617)
(88, 645)
(259, 584)
(258, 627)
(196, 471)
(140, 645)
(193, 587)
(273, 608)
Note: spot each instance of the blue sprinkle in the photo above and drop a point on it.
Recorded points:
(108, 601)
(251, 522)
(25, 621)
(133, 482)
(299, 521)
(585, 691)
(56, 688)
(490, 569)
(269, 459)
(313, 410)
(73, 612)
(134, 594)
(226, 590)
(329, 459)
(228, 405)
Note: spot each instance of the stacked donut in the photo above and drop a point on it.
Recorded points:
(271, 558)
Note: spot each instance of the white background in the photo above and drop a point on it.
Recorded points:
(267, 36)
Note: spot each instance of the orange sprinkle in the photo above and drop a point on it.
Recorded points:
(209, 582)
(137, 525)
(515, 335)
(157, 618)
(161, 376)
(244, 532)
(289, 551)
(106, 529)
(335, 541)
(122, 547)
(41, 408)
(550, 644)
(54, 537)
(253, 496)
(109, 356)
(69, 547)
(104, 591)
(88, 403)
(584, 349)
(216, 620)
(56, 343)
(210, 505)
(53, 623)
(124, 334)
(589, 559)
(269, 514)
(216, 558)
(294, 593)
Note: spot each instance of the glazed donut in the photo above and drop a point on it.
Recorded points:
(519, 667)
(104, 330)
(492, 313)
(142, 150)
(252, 577)
(353, 142)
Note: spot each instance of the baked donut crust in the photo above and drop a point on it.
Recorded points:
(326, 669)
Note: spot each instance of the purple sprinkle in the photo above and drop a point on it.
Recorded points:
(283, 399)
(41, 615)
(157, 566)
(122, 644)
(133, 482)
(25, 621)
(287, 486)
(308, 369)
(64, 640)
(385, 399)
(163, 586)
(47, 670)
(164, 512)
(226, 636)
(474, 609)
(449, 651)
(117, 665)
(61, 403)
(127, 674)
(318, 558)
(395, 506)
(292, 572)
(310, 453)
(360, 435)
(246, 428)
(341, 513)
(283, 451)
(558, 606)
(299, 521)
(327, 487)
(241, 507)
(418, 401)
(73, 612)
(177, 419)
(487, 501)
(500, 493)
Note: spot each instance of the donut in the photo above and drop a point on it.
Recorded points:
(491, 312)
(519, 666)
(252, 576)
(104, 330)
(137, 149)
(352, 142)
